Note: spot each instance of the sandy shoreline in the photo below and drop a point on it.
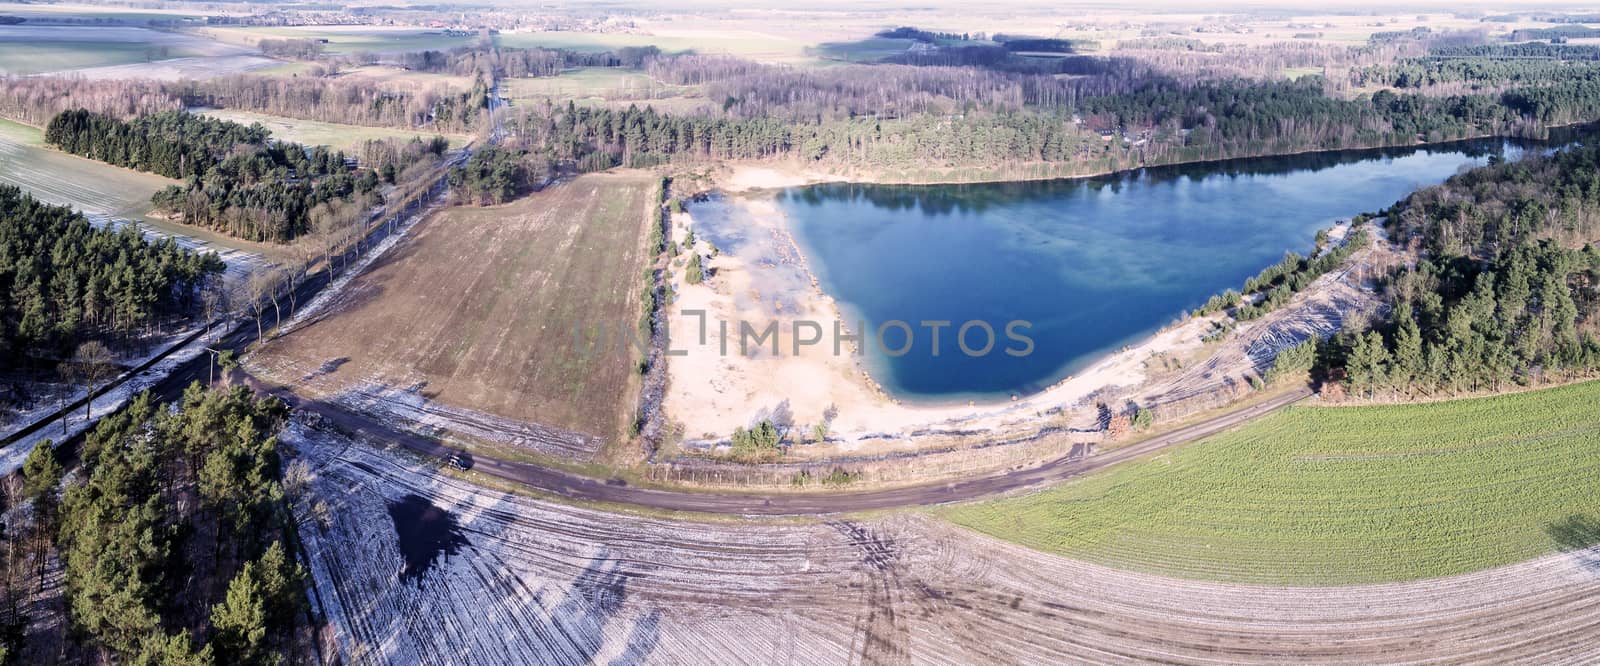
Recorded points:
(764, 274)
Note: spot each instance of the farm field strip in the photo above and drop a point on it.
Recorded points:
(68, 180)
(107, 195)
(511, 578)
(758, 45)
(22, 59)
(1319, 495)
(174, 69)
(43, 14)
(345, 39)
(396, 76)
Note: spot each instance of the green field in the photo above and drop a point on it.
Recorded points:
(315, 133)
(350, 39)
(1320, 496)
(63, 179)
(43, 14)
(871, 49)
(37, 57)
(344, 40)
(759, 46)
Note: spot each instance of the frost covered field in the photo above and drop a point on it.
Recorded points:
(411, 566)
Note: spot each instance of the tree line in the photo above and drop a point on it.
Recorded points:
(297, 49)
(63, 281)
(1276, 284)
(1478, 73)
(238, 182)
(36, 100)
(391, 157)
(351, 101)
(1522, 50)
(516, 63)
(1159, 123)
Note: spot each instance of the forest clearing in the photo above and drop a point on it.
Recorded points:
(481, 309)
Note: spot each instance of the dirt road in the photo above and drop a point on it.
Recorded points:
(574, 486)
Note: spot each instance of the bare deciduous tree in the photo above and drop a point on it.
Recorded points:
(93, 364)
(258, 290)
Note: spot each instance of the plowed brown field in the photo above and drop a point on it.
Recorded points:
(472, 322)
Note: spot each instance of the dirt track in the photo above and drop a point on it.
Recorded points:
(514, 580)
(574, 486)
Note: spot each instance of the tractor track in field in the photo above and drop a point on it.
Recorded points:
(539, 581)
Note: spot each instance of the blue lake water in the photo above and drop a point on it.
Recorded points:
(1092, 263)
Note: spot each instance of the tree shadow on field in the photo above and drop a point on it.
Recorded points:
(328, 367)
(1578, 534)
(426, 533)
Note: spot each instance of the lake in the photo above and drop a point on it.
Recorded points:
(1092, 264)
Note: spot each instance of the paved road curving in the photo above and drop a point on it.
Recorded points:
(575, 486)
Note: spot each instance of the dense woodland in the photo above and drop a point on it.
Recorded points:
(174, 536)
(1118, 115)
(62, 281)
(238, 182)
(1476, 74)
(1507, 291)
